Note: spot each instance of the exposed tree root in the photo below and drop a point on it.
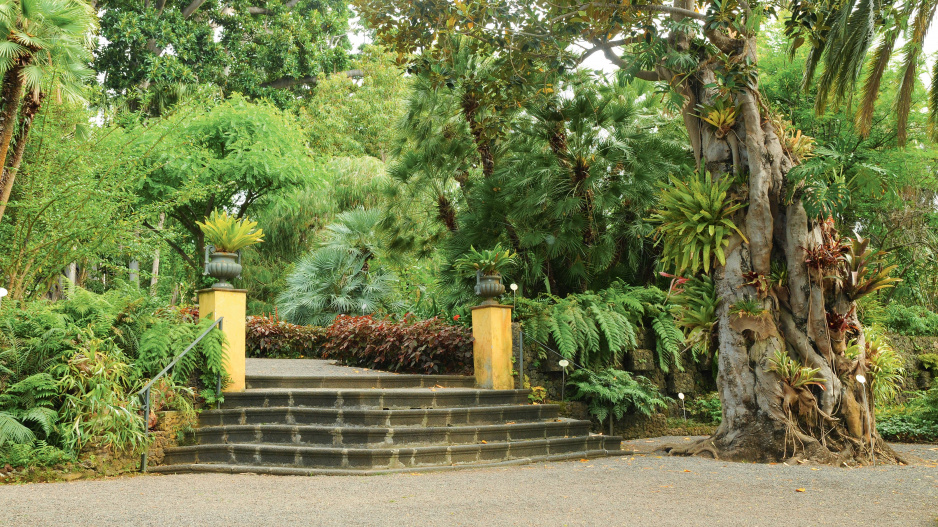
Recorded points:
(799, 448)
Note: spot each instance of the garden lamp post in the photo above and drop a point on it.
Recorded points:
(862, 380)
(683, 409)
(3, 293)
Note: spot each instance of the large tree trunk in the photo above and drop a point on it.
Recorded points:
(11, 92)
(764, 417)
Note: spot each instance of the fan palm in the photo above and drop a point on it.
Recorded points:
(47, 52)
(329, 282)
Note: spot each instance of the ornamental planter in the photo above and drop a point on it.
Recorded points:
(224, 267)
(489, 286)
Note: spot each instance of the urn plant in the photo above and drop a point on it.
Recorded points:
(227, 235)
(487, 266)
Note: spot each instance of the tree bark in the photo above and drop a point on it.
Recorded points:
(11, 92)
(764, 417)
(155, 270)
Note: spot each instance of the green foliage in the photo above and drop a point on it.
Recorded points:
(33, 454)
(929, 361)
(70, 370)
(99, 409)
(884, 367)
(908, 320)
(328, 282)
(270, 337)
(696, 315)
(917, 420)
(230, 234)
(793, 373)
(694, 222)
(226, 155)
(615, 392)
(747, 307)
(596, 329)
(705, 408)
(489, 262)
(274, 51)
(864, 270)
(895, 426)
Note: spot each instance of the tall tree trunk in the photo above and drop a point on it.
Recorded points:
(764, 417)
(11, 92)
(155, 271)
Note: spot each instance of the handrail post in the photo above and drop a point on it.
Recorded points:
(146, 428)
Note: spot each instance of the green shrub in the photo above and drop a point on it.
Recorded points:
(426, 346)
(70, 370)
(33, 454)
(917, 420)
(270, 337)
(916, 321)
(907, 428)
(705, 408)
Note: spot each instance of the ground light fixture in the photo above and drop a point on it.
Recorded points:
(3, 293)
(563, 376)
(681, 397)
(862, 380)
(514, 295)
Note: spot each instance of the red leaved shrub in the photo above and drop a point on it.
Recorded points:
(426, 346)
(270, 337)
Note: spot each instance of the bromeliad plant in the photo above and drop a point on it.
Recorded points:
(697, 314)
(859, 265)
(694, 222)
(721, 114)
(229, 233)
(489, 262)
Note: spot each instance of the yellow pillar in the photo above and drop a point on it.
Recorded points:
(491, 350)
(230, 304)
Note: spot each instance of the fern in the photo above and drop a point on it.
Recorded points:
(668, 342)
(615, 392)
(597, 329)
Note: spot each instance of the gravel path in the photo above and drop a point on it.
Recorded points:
(632, 490)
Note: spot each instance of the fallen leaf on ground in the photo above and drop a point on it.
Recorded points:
(799, 490)
(584, 460)
(686, 471)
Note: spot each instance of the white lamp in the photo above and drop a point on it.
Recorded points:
(3, 293)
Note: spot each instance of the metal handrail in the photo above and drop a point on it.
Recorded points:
(145, 391)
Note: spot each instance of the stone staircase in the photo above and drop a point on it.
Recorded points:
(370, 424)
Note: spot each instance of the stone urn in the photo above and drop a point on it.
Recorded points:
(224, 267)
(489, 286)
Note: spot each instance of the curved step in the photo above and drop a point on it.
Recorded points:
(359, 381)
(478, 415)
(374, 398)
(383, 458)
(387, 437)
(225, 468)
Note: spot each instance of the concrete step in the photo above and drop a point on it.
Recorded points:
(225, 468)
(478, 415)
(356, 437)
(359, 381)
(374, 398)
(370, 459)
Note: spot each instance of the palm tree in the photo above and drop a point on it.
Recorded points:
(840, 38)
(47, 52)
